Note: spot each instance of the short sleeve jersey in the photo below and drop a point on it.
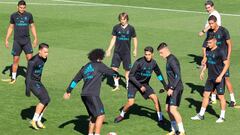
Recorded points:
(215, 63)
(123, 38)
(21, 25)
(221, 35)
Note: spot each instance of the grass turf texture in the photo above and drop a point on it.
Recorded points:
(72, 31)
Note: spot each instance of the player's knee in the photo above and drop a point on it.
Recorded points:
(46, 101)
(206, 95)
(130, 102)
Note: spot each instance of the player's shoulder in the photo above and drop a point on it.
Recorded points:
(221, 28)
(154, 61)
(130, 26)
(28, 13)
(140, 59)
(173, 58)
(116, 26)
(220, 50)
(14, 14)
(34, 58)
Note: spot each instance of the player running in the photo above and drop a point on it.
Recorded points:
(122, 34)
(139, 78)
(217, 64)
(34, 84)
(174, 89)
(92, 74)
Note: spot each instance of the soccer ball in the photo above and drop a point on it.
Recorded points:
(112, 133)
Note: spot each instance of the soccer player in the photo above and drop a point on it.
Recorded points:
(174, 89)
(217, 64)
(223, 42)
(209, 6)
(122, 34)
(92, 74)
(34, 84)
(20, 22)
(139, 78)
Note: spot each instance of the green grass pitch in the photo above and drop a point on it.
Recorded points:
(73, 28)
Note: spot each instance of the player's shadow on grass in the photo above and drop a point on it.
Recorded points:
(147, 112)
(194, 87)
(198, 104)
(110, 81)
(20, 72)
(28, 113)
(80, 124)
(196, 59)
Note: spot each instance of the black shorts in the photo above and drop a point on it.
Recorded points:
(175, 99)
(40, 92)
(124, 57)
(212, 85)
(93, 105)
(132, 90)
(18, 47)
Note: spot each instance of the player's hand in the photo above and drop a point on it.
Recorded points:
(200, 34)
(219, 79)
(169, 92)
(67, 96)
(35, 42)
(6, 44)
(135, 53)
(202, 76)
(108, 53)
(143, 89)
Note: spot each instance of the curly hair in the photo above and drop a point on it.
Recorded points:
(96, 54)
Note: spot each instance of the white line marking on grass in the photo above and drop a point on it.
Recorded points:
(51, 4)
(79, 3)
(147, 8)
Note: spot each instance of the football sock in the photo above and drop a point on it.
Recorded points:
(14, 74)
(116, 82)
(222, 115)
(180, 127)
(40, 117)
(35, 117)
(202, 111)
(122, 113)
(159, 116)
(232, 97)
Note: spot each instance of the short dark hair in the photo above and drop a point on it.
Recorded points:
(209, 2)
(211, 35)
(43, 45)
(21, 2)
(212, 18)
(161, 46)
(149, 49)
(124, 15)
(96, 54)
